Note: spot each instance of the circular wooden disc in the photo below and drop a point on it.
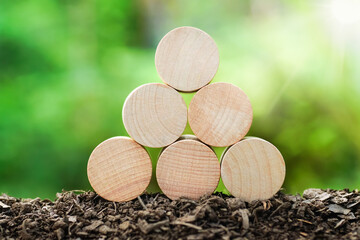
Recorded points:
(220, 114)
(187, 168)
(155, 115)
(253, 169)
(187, 59)
(119, 169)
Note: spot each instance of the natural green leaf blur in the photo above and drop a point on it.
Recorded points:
(66, 68)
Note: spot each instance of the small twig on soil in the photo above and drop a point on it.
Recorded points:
(142, 203)
(101, 211)
(187, 225)
(78, 206)
(114, 207)
(157, 195)
(278, 208)
(245, 218)
(146, 228)
(305, 221)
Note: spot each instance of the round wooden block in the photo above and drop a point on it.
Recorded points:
(155, 115)
(220, 114)
(253, 169)
(119, 169)
(187, 59)
(187, 168)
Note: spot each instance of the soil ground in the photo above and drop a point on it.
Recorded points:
(319, 214)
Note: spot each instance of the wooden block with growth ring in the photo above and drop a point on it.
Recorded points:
(187, 59)
(220, 114)
(154, 115)
(119, 169)
(252, 169)
(187, 168)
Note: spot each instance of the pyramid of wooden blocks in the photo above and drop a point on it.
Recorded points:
(155, 115)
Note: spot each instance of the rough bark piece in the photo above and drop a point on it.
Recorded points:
(119, 169)
(253, 169)
(187, 168)
(220, 114)
(155, 115)
(187, 59)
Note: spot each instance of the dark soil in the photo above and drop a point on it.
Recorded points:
(320, 214)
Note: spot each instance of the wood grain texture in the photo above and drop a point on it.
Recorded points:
(220, 114)
(119, 169)
(187, 168)
(253, 169)
(187, 59)
(155, 115)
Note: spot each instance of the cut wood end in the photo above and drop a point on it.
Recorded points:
(220, 114)
(187, 59)
(119, 169)
(154, 115)
(253, 169)
(187, 168)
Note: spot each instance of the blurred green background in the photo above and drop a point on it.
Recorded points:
(66, 68)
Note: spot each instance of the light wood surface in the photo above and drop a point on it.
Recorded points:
(220, 114)
(119, 169)
(155, 115)
(187, 168)
(253, 169)
(187, 59)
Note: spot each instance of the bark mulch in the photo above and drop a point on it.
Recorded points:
(319, 214)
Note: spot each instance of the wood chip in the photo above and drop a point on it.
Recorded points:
(3, 205)
(338, 209)
(125, 225)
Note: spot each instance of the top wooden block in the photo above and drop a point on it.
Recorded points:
(187, 59)
(155, 115)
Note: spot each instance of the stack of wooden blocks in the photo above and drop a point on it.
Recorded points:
(155, 115)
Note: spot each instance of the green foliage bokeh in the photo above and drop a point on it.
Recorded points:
(66, 68)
